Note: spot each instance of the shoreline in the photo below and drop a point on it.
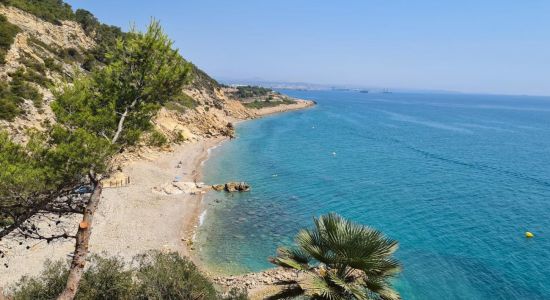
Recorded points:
(299, 105)
(136, 218)
(195, 224)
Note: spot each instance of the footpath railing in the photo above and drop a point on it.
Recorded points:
(114, 183)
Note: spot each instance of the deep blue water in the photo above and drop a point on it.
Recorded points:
(456, 179)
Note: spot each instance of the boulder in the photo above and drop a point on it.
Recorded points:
(232, 187)
(237, 187)
(218, 187)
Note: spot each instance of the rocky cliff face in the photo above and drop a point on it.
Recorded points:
(40, 43)
(58, 48)
(54, 53)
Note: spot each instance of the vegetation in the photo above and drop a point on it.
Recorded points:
(201, 80)
(9, 104)
(248, 91)
(104, 35)
(181, 103)
(52, 65)
(52, 11)
(341, 260)
(8, 32)
(268, 103)
(24, 90)
(13, 94)
(97, 116)
(155, 275)
(171, 277)
(156, 139)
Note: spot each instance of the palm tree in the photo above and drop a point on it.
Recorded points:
(339, 259)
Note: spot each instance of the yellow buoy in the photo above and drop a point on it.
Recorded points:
(529, 234)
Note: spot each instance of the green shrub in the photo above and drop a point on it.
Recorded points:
(186, 100)
(52, 65)
(181, 103)
(201, 80)
(104, 35)
(13, 94)
(33, 64)
(156, 275)
(70, 55)
(252, 91)
(261, 104)
(9, 109)
(169, 276)
(9, 103)
(8, 32)
(22, 89)
(33, 40)
(175, 106)
(156, 139)
(49, 10)
(89, 62)
(107, 278)
(48, 285)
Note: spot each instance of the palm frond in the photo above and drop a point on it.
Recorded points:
(381, 288)
(350, 287)
(317, 287)
(291, 258)
(343, 260)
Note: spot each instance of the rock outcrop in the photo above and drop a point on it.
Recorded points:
(37, 41)
(179, 187)
(232, 187)
(270, 281)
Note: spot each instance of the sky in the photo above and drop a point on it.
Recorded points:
(476, 46)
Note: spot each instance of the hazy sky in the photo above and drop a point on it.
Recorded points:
(493, 46)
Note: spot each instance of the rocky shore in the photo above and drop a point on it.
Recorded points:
(258, 284)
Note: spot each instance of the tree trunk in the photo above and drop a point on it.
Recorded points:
(122, 119)
(81, 246)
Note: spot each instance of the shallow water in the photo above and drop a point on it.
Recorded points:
(457, 179)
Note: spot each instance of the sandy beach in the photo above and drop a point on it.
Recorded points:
(135, 218)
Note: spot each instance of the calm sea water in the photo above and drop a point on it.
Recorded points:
(457, 179)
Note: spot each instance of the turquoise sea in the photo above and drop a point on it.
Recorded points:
(456, 179)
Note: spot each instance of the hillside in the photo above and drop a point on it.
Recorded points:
(44, 51)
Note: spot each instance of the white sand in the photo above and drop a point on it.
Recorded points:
(133, 219)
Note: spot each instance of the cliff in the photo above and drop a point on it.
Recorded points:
(44, 55)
